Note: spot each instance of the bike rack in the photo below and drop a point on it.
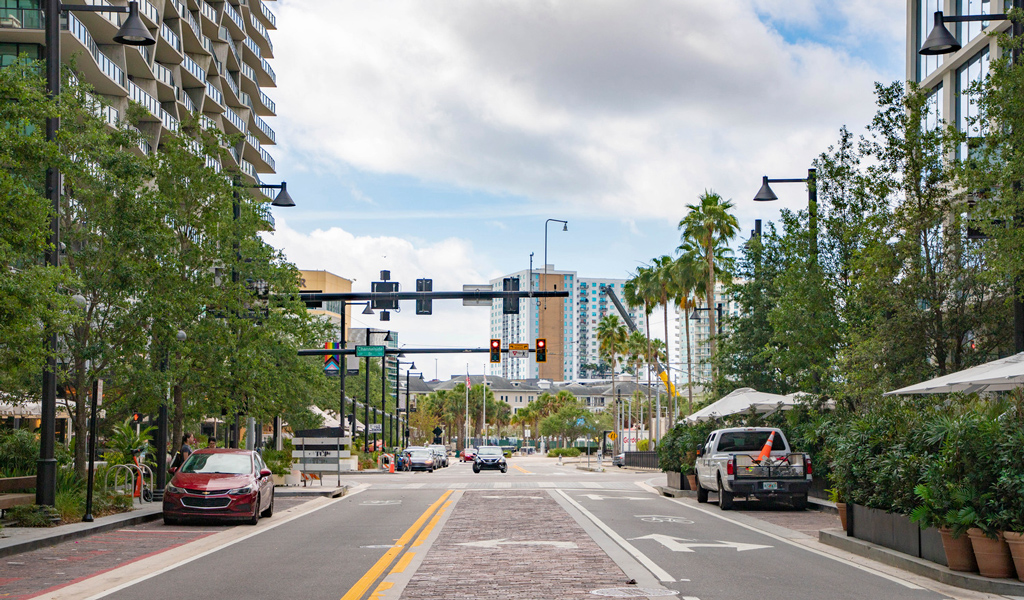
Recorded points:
(127, 484)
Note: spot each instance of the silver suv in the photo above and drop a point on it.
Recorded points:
(442, 454)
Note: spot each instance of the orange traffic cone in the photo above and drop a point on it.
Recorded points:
(766, 451)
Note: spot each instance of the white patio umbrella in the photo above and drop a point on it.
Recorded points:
(996, 376)
(742, 400)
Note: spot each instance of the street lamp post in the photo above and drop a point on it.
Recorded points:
(398, 367)
(565, 227)
(132, 32)
(161, 430)
(765, 194)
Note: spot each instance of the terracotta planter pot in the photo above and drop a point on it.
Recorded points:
(1016, 543)
(841, 507)
(959, 552)
(993, 555)
(692, 480)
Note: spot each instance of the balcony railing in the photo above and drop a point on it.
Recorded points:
(234, 118)
(267, 158)
(251, 45)
(261, 30)
(208, 10)
(186, 100)
(247, 168)
(169, 121)
(269, 15)
(147, 8)
(214, 93)
(208, 44)
(193, 67)
(265, 128)
(234, 16)
(149, 102)
(105, 64)
(207, 122)
(145, 52)
(163, 74)
(171, 37)
(228, 77)
(213, 163)
(266, 67)
(103, 111)
(193, 24)
(265, 99)
(248, 71)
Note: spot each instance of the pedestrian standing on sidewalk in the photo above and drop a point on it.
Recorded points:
(186, 450)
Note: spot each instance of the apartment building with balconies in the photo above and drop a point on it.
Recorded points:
(210, 62)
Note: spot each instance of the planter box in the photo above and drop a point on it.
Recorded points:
(896, 532)
(677, 480)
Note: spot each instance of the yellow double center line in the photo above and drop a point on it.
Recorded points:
(433, 515)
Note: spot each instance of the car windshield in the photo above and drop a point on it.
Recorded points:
(228, 464)
(490, 451)
(420, 453)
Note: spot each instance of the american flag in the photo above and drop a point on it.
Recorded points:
(468, 382)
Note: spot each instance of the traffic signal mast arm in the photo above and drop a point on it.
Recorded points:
(396, 351)
(319, 297)
(662, 373)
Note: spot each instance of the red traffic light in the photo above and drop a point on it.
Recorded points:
(541, 343)
(495, 350)
(495, 344)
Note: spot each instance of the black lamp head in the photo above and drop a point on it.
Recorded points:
(940, 40)
(765, 194)
(283, 199)
(367, 310)
(133, 31)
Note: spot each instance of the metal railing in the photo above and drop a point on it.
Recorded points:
(262, 126)
(214, 93)
(105, 64)
(171, 37)
(265, 99)
(642, 460)
(137, 94)
(193, 67)
(163, 74)
(186, 100)
(269, 15)
(169, 121)
(208, 10)
(234, 118)
(234, 16)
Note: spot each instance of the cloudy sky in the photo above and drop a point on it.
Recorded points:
(434, 138)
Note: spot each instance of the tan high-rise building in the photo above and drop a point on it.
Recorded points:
(328, 283)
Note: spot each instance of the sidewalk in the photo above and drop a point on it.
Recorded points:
(828, 532)
(15, 540)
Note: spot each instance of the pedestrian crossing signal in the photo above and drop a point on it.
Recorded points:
(495, 350)
(542, 350)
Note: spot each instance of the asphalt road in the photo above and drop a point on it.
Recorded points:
(542, 530)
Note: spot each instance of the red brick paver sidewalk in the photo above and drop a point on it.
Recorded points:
(452, 570)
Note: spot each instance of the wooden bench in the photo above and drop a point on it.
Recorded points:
(8, 485)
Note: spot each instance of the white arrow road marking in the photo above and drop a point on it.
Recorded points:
(683, 545)
(507, 542)
(600, 497)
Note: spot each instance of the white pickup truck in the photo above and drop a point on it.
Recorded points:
(728, 464)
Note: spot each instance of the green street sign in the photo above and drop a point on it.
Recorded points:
(369, 351)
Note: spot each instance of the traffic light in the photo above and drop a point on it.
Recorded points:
(495, 351)
(135, 417)
(510, 306)
(424, 306)
(542, 350)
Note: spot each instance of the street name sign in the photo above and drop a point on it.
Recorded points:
(369, 351)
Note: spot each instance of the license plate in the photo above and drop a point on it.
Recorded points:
(770, 485)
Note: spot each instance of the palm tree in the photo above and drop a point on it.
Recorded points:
(710, 226)
(611, 338)
(687, 274)
(643, 290)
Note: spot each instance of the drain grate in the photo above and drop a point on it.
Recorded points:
(633, 592)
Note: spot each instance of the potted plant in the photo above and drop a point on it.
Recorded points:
(834, 495)
(983, 528)
(936, 509)
(1010, 488)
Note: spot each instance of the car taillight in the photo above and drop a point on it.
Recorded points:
(809, 468)
(729, 468)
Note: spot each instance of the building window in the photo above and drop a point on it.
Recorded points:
(966, 32)
(926, 10)
(974, 71)
(933, 119)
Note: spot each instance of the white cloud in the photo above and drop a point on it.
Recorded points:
(450, 263)
(618, 106)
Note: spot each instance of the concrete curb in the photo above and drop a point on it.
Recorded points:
(298, 492)
(51, 536)
(920, 566)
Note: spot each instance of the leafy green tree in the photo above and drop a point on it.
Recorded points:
(31, 303)
(611, 339)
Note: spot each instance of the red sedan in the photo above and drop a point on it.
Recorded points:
(467, 455)
(217, 483)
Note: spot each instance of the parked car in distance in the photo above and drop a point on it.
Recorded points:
(442, 454)
(220, 484)
(619, 460)
(421, 459)
(467, 454)
(489, 457)
(728, 463)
